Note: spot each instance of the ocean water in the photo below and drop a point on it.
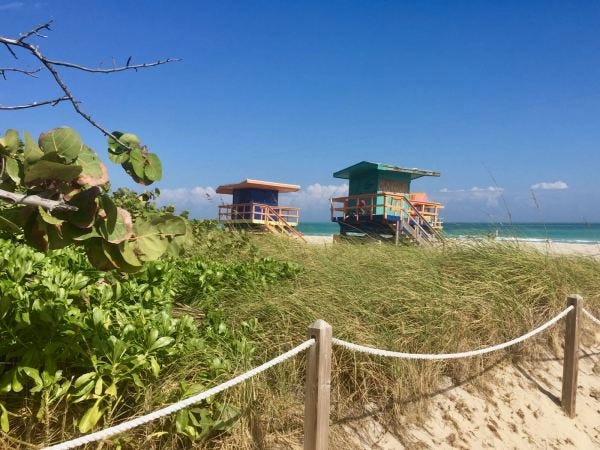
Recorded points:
(579, 233)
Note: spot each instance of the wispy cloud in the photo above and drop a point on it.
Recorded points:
(550, 186)
(11, 6)
(490, 195)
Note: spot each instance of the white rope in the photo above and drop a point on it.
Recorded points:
(108, 432)
(378, 352)
(590, 316)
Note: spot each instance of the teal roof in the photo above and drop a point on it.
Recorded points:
(366, 166)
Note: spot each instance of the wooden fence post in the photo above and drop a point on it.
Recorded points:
(318, 384)
(571, 361)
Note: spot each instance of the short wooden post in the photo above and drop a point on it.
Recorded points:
(397, 237)
(318, 384)
(571, 361)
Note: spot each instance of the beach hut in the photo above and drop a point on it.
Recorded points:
(380, 203)
(255, 207)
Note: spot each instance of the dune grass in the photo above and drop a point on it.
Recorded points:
(427, 300)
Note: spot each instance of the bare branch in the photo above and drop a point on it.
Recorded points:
(36, 200)
(30, 73)
(53, 102)
(50, 64)
(36, 31)
(114, 69)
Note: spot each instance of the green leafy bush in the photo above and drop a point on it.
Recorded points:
(93, 342)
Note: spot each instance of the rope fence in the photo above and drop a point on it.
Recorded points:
(125, 426)
(427, 356)
(318, 376)
(590, 316)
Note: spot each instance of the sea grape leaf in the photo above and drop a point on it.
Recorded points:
(96, 255)
(93, 171)
(149, 243)
(114, 253)
(117, 226)
(36, 234)
(11, 142)
(31, 151)
(77, 234)
(8, 225)
(130, 140)
(127, 250)
(48, 218)
(87, 203)
(48, 170)
(64, 141)
(118, 158)
(13, 169)
(137, 160)
(153, 168)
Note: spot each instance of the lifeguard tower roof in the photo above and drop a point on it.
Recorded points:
(366, 166)
(257, 184)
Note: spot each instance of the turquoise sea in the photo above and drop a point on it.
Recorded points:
(581, 233)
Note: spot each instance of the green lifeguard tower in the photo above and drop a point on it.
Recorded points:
(380, 203)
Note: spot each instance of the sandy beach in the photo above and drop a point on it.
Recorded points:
(549, 247)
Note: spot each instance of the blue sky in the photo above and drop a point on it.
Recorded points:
(497, 96)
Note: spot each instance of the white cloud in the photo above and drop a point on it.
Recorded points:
(489, 195)
(550, 186)
(313, 200)
(11, 6)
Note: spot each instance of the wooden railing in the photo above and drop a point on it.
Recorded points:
(386, 205)
(258, 213)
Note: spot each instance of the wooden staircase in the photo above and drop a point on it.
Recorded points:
(416, 228)
(276, 224)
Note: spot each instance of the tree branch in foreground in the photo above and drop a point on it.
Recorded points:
(36, 200)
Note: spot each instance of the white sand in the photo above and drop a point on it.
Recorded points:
(518, 409)
(552, 248)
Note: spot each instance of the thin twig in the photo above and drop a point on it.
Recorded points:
(29, 73)
(114, 69)
(50, 64)
(53, 102)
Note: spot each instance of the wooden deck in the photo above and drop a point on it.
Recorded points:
(386, 212)
(275, 219)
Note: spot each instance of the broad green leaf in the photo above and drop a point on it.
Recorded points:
(83, 379)
(12, 141)
(7, 225)
(64, 141)
(118, 158)
(155, 366)
(111, 390)
(49, 170)
(90, 418)
(32, 373)
(153, 168)
(138, 161)
(149, 242)
(96, 255)
(87, 203)
(31, 151)
(48, 218)
(4, 424)
(13, 169)
(127, 250)
(93, 171)
(161, 342)
(36, 233)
